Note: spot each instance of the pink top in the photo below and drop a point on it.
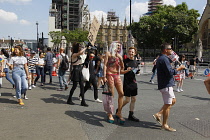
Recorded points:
(113, 64)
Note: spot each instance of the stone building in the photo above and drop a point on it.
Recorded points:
(112, 30)
(203, 37)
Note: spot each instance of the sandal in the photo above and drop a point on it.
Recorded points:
(157, 118)
(168, 129)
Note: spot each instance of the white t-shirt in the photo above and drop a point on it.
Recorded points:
(18, 61)
(41, 62)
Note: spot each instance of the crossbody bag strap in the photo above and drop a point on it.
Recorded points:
(74, 61)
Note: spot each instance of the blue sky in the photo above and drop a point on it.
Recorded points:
(18, 17)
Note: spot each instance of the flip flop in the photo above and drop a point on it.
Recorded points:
(157, 119)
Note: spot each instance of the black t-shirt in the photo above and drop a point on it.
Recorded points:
(130, 63)
(130, 76)
(192, 62)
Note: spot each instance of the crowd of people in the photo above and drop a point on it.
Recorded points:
(103, 69)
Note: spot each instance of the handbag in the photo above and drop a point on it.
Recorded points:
(2, 74)
(177, 77)
(86, 74)
(107, 100)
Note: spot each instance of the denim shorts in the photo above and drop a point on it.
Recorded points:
(32, 71)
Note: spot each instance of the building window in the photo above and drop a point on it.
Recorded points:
(121, 38)
(106, 38)
(114, 38)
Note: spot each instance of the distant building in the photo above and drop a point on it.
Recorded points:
(68, 14)
(10, 43)
(152, 6)
(112, 31)
(203, 38)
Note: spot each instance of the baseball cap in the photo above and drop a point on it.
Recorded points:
(33, 52)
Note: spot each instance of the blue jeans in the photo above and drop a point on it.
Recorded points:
(21, 84)
(49, 69)
(154, 73)
(61, 76)
(6, 70)
(40, 71)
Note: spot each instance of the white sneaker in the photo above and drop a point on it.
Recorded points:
(80, 98)
(14, 96)
(25, 98)
(181, 90)
(178, 90)
(29, 87)
(98, 100)
(33, 86)
(0, 94)
(152, 82)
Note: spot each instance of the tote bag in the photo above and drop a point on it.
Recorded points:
(86, 74)
(107, 100)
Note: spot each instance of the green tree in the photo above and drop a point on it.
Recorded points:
(167, 22)
(56, 37)
(77, 35)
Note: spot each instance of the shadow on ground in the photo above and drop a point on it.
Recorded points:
(96, 118)
(197, 97)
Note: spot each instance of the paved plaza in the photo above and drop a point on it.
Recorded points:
(46, 116)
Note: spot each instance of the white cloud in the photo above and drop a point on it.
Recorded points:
(8, 16)
(140, 8)
(15, 1)
(137, 10)
(98, 15)
(24, 22)
(169, 2)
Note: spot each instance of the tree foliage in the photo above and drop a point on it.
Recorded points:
(77, 35)
(166, 23)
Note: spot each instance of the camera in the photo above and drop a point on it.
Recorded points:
(90, 46)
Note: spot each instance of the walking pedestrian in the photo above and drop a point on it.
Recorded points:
(92, 80)
(130, 87)
(100, 71)
(20, 74)
(154, 70)
(5, 65)
(62, 58)
(48, 65)
(165, 85)
(32, 62)
(40, 69)
(113, 66)
(181, 73)
(192, 67)
(76, 74)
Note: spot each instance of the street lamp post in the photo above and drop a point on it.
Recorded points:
(130, 12)
(129, 34)
(37, 39)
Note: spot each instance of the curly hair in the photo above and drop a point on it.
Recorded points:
(21, 53)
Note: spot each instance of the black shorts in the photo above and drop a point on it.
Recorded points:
(130, 89)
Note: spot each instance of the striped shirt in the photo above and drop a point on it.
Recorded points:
(32, 63)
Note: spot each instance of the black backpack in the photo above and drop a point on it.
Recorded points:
(64, 63)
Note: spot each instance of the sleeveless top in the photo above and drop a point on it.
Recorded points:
(113, 63)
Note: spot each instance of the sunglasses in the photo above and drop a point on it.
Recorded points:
(169, 49)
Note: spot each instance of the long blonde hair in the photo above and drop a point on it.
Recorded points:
(114, 46)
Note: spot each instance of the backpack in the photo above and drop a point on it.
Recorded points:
(64, 63)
